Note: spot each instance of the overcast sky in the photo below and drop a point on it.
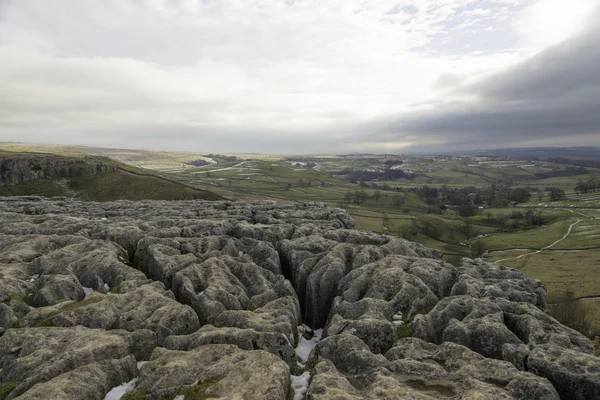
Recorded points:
(300, 76)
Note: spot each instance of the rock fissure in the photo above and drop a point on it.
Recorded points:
(212, 295)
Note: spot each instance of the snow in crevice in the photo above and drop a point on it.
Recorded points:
(119, 391)
(305, 346)
(88, 292)
(300, 385)
(397, 319)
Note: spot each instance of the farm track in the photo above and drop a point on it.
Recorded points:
(549, 247)
(544, 248)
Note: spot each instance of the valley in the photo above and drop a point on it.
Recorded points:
(556, 240)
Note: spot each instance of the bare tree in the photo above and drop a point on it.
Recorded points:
(377, 196)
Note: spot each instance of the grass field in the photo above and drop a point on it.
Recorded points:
(42, 187)
(126, 185)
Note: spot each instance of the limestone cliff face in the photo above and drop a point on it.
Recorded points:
(17, 168)
(212, 296)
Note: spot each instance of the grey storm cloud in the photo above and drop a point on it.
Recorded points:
(553, 97)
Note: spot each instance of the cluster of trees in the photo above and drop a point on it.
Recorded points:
(516, 220)
(356, 196)
(198, 163)
(591, 186)
(391, 163)
(360, 196)
(568, 171)
(556, 194)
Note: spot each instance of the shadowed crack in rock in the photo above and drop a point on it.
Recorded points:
(211, 295)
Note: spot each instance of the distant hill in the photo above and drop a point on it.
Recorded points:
(572, 153)
(86, 177)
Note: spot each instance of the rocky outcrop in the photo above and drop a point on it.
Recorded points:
(413, 369)
(214, 371)
(205, 299)
(21, 167)
(32, 356)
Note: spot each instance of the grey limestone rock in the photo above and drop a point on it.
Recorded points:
(215, 371)
(32, 356)
(213, 293)
(146, 307)
(414, 369)
(246, 339)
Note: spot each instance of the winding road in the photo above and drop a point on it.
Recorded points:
(553, 244)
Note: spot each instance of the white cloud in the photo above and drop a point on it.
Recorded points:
(548, 22)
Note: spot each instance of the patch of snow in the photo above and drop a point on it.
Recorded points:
(305, 346)
(397, 319)
(119, 391)
(103, 219)
(300, 385)
(107, 288)
(140, 364)
(88, 292)
(180, 397)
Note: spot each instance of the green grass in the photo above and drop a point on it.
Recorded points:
(404, 331)
(41, 187)
(6, 388)
(201, 391)
(592, 308)
(123, 185)
(18, 299)
(585, 234)
(47, 321)
(562, 271)
(532, 238)
(134, 395)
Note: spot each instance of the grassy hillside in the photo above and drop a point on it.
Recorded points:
(118, 185)
(124, 185)
(122, 182)
(42, 187)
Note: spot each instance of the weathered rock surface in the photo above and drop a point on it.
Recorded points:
(211, 295)
(37, 355)
(214, 371)
(21, 167)
(414, 369)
